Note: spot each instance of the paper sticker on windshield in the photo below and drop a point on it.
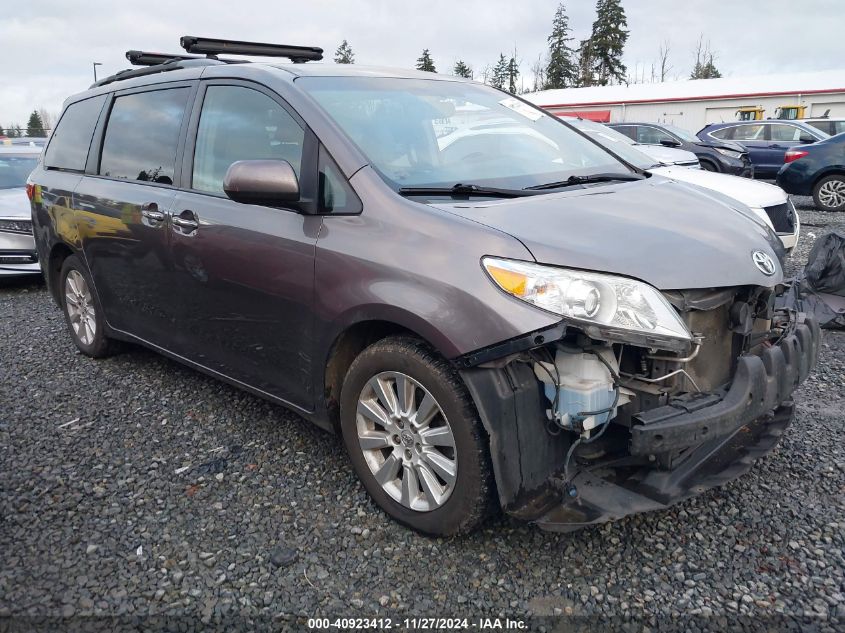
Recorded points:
(521, 108)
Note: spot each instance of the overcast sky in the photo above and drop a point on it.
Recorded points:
(47, 46)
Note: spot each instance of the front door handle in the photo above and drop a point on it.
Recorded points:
(187, 222)
(151, 212)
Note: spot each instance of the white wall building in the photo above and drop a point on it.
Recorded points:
(692, 104)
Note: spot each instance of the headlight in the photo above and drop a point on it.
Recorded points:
(729, 152)
(609, 302)
(16, 226)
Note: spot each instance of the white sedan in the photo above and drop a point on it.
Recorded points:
(17, 246)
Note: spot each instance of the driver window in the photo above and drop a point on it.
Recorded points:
(782, 132)
(651, 135)
(239, 123)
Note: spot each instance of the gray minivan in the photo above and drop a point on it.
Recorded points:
(492, 309)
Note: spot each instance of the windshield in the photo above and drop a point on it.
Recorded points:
(682, 133)
(616, 142)
(15, 169)
(431, 133)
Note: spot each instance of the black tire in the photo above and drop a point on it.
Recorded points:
(821, 201)
(472, 497)
(706, 165)
(99, 345)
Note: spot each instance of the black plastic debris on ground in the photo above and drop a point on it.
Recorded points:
(820, 288)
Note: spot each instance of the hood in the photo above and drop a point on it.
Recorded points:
(672, 235)
(14, 203)
(736, 147)
(667, 155)
(752, 193)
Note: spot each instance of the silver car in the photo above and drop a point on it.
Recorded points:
(17, 246)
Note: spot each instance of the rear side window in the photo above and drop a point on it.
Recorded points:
(239, 123)
(824, 126)
(749, 133)
(628, 130)
(142, 136)
(68, 148)
(651, 135)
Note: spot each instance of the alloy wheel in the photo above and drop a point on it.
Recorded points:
(832, 194)
(406, 441)
(80, 307)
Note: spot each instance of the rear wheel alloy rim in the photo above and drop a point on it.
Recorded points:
(832, 193)
(80, 307)
(406, 441)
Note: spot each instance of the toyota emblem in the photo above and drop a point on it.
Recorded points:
(764, 263)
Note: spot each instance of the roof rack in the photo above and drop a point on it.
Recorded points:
(145, 58)
(211, 46)
(171, 64)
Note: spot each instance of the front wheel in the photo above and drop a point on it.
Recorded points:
(829, 193)
(414, 438)
(706, 165)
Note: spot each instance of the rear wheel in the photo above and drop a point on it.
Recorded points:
(414, 438)
(83, 313)
(829, 193)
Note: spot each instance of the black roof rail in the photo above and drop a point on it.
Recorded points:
(146, 58)
(173, 64)
(212, 46)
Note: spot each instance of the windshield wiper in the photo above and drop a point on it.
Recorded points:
(460, 190)
(581, 180)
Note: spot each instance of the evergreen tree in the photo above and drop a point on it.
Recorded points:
(344, 54)
(35, 126)
(561, 71)
(499, 74)
(607, 42)
(424, 62)
(705, 67)
(513, 74)
(2, 133)
(13, 131)
(585, 64)
(462, 70)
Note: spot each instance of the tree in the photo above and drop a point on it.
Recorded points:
(344, 54)
(424, 62)
(561, 71)
(538, 70)
(2, 133)
(47, 118)
(607, 42)
(704, 68)
(663, 60)
(462, 70)
(35, 126)
(512, 74)
(499, 74)
(585, 63)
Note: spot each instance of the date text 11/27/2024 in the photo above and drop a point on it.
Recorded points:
(417, 624)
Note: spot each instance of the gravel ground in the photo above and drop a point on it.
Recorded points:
(134, 486)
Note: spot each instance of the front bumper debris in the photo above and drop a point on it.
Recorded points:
(713, 438)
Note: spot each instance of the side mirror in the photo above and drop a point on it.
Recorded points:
(268, 182)
(806, 138)
(670, 142)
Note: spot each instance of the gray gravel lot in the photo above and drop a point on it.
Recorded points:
(133, 485)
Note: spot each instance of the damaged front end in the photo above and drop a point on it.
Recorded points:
(588, 426)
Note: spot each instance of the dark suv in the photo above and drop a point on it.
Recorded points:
(492, 309)
(714, 155)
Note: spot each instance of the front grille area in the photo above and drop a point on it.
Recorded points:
(16, 226)
(782, 217)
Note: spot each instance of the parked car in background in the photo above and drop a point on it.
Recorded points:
(766, 141)
(768, 202)
(817, 170)
(17, 246)
(31, 141)
(827, 125)
(517, 320)
(714, 155)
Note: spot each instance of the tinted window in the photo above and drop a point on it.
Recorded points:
(828, 127)
(142, 135)
(749, 132)
(780, 132)
(651, 135)
(336, 196)
(722, 133)
(242, 124)
(71, 140)
(628, 130)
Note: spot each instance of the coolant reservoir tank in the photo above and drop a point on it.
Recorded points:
(583, 384)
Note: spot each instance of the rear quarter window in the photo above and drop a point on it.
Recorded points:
(71, 140)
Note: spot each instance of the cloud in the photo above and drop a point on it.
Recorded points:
(49, 45)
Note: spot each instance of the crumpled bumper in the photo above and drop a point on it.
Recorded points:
(723, 432)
